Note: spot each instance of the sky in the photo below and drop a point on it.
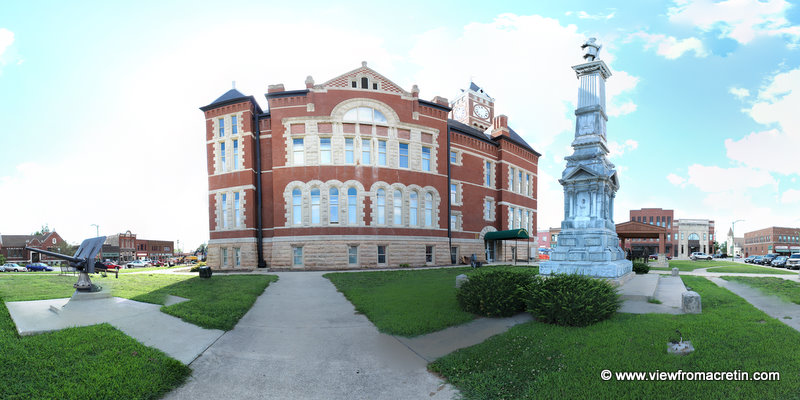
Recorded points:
(100, 128)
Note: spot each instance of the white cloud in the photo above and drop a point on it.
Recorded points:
(741, 20)
(585, 15)
(676, 180)
(534, 84)
(773, 150)
(712, 178)
(670, 47)
(6, 40)
(617, 149)
(739, 93)
(620, 84)
(790, 196)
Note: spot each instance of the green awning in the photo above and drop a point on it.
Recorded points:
(505, 235)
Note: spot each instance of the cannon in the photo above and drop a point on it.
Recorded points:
(83, 260)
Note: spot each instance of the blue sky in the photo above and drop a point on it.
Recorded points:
(99, 119)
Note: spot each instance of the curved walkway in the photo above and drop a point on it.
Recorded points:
(303, 340)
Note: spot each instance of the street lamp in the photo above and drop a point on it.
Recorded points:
(733, 228)
(97, 228)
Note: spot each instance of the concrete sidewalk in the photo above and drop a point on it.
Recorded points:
(303, 340)
(775, 307)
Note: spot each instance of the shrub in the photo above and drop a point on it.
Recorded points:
(201, 264)
(572, 300)
(494, 293)
(196, 268)
(640, 267)
(404, 265)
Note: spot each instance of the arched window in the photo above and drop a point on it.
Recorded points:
(333, 204)
(398, 207)
(315, 206)
(381, 206)
(694, 236)
(365, 114)
(297, 207)
(412, 210)
(428, 209)
(351, 205)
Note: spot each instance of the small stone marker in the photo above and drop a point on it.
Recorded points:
(690, 302)
(460, 280)
(674, 272)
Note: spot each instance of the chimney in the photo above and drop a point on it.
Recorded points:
(441, 101)
(500, 126)
(275, 88)
(415, 91)
(309, 82)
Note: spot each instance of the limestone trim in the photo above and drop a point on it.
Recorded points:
(458, 199)
(325, 206)
(486, 229)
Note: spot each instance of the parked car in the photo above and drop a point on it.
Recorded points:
(157, 263)
(111, 265)
(779, 261)
(793, 262)
(11, 267)
(136, 264)
(767, 259)
(699, 256)
(757, 259)
(38, 267)
(749, 259)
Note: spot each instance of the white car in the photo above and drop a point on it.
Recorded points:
(9, 267)
(793, 262)
(700, 256)
(137, 264)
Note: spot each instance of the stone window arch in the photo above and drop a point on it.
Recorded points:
(694, 236)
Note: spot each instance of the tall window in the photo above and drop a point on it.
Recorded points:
(221, 124)
(223, 158)
(298, 149)
(381, 206)
(325, 150)
(237, 255)
(333, 205)
(297, 255)
(528, 187)
(428, 254)
(412, 209)
(381, 152)
(403, 155)
(224, 256)
(519, 182)
(237, 211)
(351, 206)
(519, 218)
(235, 155)
(349, 156)
(511, 215)
(488, 173)
(453, 222)
(234, 125)
(224, 210)
(426, 158)
(352, 255)
(366, 151)
(315, 206)
(297, 207)
(398, 208)
(453, 189)
(453, 157)
(428, 209)
(487, 210)
(511, 180)
(381, 254)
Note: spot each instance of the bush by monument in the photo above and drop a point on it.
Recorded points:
(494, 293)
(572, 300)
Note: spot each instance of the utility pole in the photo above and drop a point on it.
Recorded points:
(97, 228)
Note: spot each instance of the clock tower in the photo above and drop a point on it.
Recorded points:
(473, 107)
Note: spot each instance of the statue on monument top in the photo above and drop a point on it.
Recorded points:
(591, 49)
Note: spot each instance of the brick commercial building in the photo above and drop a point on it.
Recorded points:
(124, 247)
(774, 239)
(683, 237)
(13, 247)
(357, 172)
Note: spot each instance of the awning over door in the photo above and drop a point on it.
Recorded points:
(505, 235)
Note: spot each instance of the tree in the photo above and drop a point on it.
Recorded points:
(66, 248)
(723, 248)
(2, 259)
(45, 229)
(201, 249)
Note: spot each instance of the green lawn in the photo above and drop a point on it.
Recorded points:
(536, 360)
(689, 265)
(785, 289)
(409, 302)
(751, 269)
(216, 303)
(95, 362)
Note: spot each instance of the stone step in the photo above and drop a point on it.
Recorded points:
(640, 287)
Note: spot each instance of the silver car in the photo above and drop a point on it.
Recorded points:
(793, 262)
(11, 267)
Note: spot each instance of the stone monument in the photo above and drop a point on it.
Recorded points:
(588, 242)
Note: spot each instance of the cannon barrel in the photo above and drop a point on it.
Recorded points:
(58, 255)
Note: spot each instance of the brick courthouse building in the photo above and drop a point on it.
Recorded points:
(358, 173)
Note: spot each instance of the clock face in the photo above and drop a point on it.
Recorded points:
(459, 112)
(481, 111)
